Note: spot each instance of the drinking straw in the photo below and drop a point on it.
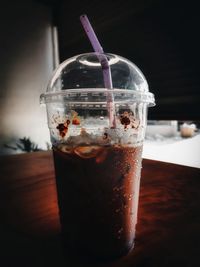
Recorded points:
(104, 64)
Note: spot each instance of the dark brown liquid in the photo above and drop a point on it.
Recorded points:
(98, 199)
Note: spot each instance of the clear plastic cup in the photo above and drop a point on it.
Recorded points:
(97, 166)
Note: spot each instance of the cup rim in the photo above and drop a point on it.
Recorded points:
(134, 96)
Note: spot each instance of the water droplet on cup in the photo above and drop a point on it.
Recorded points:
(101, 156)
(130, 197)
(120, 230)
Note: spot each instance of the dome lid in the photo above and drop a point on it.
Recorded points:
(83, 73)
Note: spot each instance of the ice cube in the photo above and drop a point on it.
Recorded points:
(87, 151)
(66, 149)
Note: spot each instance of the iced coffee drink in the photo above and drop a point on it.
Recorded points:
(97, 159)
(98, 194)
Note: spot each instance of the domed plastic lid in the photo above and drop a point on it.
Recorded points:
(83, 73)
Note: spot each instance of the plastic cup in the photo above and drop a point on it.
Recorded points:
(97, 167)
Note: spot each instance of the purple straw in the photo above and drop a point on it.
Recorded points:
(104, 64)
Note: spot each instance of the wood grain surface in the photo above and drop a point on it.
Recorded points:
(168, 229)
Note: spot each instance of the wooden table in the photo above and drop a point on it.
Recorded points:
(168, 229)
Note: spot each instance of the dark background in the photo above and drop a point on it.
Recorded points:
(161, 37)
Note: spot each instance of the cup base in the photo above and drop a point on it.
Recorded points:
(89, 257)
